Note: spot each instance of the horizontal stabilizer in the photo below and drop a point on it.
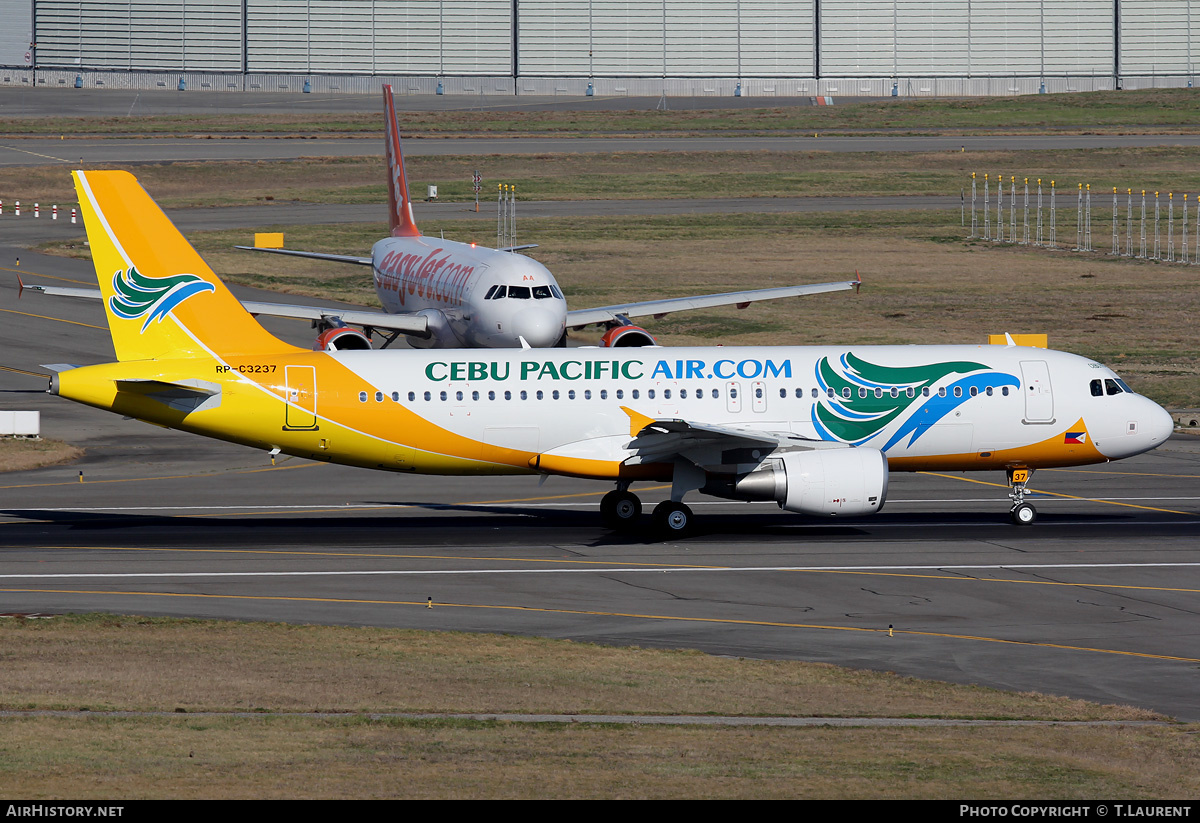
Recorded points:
(62, 291)
(186, 395)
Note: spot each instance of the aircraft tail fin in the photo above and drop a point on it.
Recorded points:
(400, 214)
(161, 299)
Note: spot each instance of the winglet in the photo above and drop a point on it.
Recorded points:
(400, 216)
(857, 282)
(637, 421)
(1008, 340)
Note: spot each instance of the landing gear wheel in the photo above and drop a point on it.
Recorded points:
(671, 518)
(1023, 514)
(620, 509)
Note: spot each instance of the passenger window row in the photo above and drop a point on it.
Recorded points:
(698, 394)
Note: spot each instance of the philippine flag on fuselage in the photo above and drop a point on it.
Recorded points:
(1075, 437)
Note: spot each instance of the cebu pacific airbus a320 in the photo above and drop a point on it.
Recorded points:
(815, 429)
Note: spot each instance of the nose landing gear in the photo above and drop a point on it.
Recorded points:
(1021, 513)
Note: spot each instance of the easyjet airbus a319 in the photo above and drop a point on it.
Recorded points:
(815, 429)
(445, 294)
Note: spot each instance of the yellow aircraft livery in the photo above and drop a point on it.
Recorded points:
(815, 429)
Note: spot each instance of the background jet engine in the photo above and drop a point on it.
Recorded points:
(341, 338)
(630, 335)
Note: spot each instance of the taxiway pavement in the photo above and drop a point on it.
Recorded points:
(1097, 600)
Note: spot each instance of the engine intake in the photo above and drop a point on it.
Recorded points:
(341, 338)
(624, 336)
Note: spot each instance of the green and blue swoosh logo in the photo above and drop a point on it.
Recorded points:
(854, 419)
(153, 297)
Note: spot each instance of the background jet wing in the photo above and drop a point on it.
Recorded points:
(404, 323)
(741, 299)
(316, 255)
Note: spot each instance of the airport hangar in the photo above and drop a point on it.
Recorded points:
(715, 48)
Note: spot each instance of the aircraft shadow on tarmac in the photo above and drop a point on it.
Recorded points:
(518, 525)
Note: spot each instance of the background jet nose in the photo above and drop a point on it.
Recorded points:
(539, 327)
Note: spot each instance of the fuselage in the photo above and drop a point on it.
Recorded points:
(473, 296)
(570, 411)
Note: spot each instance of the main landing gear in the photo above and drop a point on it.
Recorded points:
(622, 511)
(1021, 513)
(620, 508)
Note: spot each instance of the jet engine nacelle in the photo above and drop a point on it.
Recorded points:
(622, 336)
(341, 338)
(441, 335)
(825, 482)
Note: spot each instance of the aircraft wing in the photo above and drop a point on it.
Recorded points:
(404, 323)
(316, 255)
(658, 308)
(663, 440)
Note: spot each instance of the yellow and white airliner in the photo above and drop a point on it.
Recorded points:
(815, 429)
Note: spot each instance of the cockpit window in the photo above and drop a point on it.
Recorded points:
(557, 293)
(518, 292)
(1109, 386)
(541, 292)
(491, 293)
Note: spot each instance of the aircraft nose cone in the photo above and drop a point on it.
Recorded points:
(539, 327)
(1159, 424)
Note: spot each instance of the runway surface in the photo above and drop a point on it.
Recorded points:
(1097, 600)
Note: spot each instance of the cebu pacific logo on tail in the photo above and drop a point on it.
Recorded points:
(152, 297)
